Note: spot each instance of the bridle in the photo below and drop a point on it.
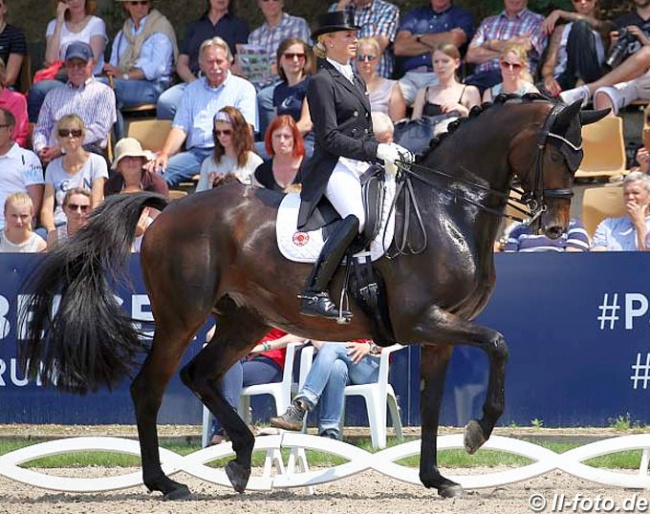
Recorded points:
(534, 200)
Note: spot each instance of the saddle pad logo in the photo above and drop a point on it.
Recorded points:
(300, 238)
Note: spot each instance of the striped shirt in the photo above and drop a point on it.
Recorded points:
(201, 102)
(12, 41)
(270, 37)
(521, 239)
(503, 28)
(93, 102)
(618, 235)
(378, 18)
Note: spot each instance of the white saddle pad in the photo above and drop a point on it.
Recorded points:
(299, 246)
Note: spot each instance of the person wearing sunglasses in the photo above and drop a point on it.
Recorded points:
(130, 172)
(76, 207)
(142, 59)
(75, 21)
(233, 151)
(576, 50)
(448, 95)
(516, 79)
(75, 168)
(385, 94)
(18, 235)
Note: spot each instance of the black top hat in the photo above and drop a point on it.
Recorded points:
(333, 22)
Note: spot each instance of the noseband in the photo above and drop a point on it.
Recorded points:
(535, 198)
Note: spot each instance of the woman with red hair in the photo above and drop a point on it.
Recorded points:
(286, 147)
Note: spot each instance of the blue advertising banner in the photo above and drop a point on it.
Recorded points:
(578, 327)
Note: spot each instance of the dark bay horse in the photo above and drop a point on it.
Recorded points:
(215, 253)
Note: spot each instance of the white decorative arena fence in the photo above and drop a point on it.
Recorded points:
(358, 460)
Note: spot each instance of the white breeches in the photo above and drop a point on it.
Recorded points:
(344, 189)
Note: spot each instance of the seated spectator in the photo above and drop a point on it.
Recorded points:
(84, 96)
(516, 78)
(520, 238)
(515, 24)
(263, 365)
(142, 58)
(629, 80)
(383, 127)
(278, 26)
(76, 207)
(18, 236)
(630, 232)
(296, 65)
(643, 159)
(193, 123)
(448, 95)
(13, 48)
(75, 22)
(233, 150)
(335, 366)
(423, 29)
(130, 173)
(285, 146)
(20, 169)
(218, 21)
(17, 105)
(76, 168)
(576, 51)
(378, 19)
(385, 94)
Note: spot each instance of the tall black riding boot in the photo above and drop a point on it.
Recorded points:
(315, 298)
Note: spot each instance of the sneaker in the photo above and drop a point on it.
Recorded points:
(331, 434)
(292, 419)
(576, 94)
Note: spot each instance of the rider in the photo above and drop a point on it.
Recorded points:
(345, 146)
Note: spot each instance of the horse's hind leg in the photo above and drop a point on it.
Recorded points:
(237, 331)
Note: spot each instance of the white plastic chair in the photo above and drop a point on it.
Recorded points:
(281, 392)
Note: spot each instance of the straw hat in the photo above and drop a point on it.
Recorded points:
(129, 147)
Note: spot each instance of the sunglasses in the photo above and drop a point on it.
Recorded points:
(368, 58)
(141, 2)
(226, 132)
(511, 65)
(291, 56)
(77, 207)
(70, 132)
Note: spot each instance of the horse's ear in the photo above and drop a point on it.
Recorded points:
(588, 117)
(566, 116)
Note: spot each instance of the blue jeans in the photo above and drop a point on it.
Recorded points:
(331, 371)
(258, 370)
(169, 101)
(36, 97)
(184, 165)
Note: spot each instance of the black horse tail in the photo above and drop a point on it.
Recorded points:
(76, 335)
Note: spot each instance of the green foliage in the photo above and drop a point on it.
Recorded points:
(537, 423)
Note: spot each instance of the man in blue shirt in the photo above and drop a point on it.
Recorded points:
(422, 30)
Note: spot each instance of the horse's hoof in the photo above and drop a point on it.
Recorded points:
(180, 493)
(451, 490)
(238, 475)
(474, 437)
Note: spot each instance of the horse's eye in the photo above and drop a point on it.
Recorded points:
(556, 157)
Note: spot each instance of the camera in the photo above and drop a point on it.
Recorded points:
(619, 50)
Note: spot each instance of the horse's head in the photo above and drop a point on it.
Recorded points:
(548, 182)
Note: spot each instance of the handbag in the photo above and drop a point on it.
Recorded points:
(54, 71)
(415, 135)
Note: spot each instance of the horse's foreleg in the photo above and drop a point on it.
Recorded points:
(147, 392)
(237, 331)
(433, 369)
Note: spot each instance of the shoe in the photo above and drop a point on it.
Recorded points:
(318, 303)
(577, 93)
(292, 419)
(330, 434)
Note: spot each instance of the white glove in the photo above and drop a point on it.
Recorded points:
(388, 154)
(405, 155)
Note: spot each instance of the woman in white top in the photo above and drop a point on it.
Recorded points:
(385, 95)
(76, 207)
(75, 168)
(18, 236)
(449, 94)
(516, 78)
(233, 150)
(75, 21)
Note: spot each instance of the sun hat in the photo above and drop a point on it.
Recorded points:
(129, 147)
(334, 22)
